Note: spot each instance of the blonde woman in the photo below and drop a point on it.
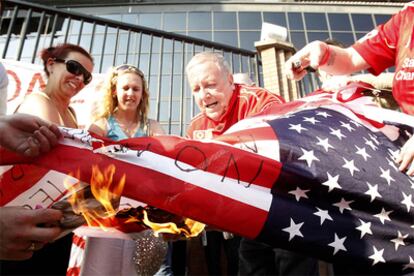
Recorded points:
(124, 110)
(122, 114)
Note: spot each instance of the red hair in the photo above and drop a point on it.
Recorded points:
(61, 51)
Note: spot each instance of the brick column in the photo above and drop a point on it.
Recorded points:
(273, 54)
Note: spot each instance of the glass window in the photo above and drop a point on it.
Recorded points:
(316, 21)
(178, 58)
(295, 21)
(116, 17)
(345, 38)
(298, 39)
(229, 38)
(247, 40)
(174, 21)
(339, 22)
(130, 18)
(177, 80)
(201, 35)
(166, 63)
(225, 20)
(151, 20)
(155, 64)
(277, 18)
(165, 87)
(381, 18)
(199, 21)
(87, 27)
(360, 35)
(362, 22)
(97, 44)
(317, 36)
(250, 21)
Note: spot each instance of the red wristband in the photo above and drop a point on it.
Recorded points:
(326, 55)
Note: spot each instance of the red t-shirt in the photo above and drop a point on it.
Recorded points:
(393, 44)
(246, 101)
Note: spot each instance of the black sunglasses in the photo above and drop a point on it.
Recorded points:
(76, 68)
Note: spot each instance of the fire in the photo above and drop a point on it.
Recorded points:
(99, 201)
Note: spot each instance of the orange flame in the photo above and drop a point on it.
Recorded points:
(97, 205)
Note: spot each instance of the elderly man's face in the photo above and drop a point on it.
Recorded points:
(212, 89)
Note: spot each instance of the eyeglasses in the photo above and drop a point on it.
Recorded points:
(129, 67)
(76, 68)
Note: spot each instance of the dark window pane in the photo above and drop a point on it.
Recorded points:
(317, 36)
(277, 18)
(298, 39)
(152, 20)
(360, 35)
(247, 40)
(199, 21)
(339, 22)
(345, 38)
(295, 21)
(250, 21)
(229, 38)
(316, 21)
(202, 35)
(362, 22)
(225, 21)
(382, 18)
(174, 21)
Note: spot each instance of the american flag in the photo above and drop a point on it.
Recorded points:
(314, 176)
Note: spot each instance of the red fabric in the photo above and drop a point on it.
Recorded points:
(393, 44)
(246, 101)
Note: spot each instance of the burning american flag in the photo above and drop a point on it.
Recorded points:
(315, 176)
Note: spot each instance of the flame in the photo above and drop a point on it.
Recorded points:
(192, 228)
(96, 205)
(100, 212)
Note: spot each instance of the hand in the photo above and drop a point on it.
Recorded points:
(311, 55)
(27, 134)
(406, 156)
(20, 233)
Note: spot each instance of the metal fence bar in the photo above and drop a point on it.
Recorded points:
(39, 31)
(9, 31)
(53, 32)
(23, 34)
(159, 79)
(65, 40)
(80, 31)
(103, 48)
(116, 47)
(171, 87)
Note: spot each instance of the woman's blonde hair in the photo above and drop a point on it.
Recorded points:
(110, 102)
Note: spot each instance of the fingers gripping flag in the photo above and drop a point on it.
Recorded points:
(315, 176)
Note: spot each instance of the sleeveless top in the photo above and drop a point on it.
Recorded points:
(116, 133)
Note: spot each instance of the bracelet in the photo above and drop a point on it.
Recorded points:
(326, 55)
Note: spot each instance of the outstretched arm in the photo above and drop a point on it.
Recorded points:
(329, 58)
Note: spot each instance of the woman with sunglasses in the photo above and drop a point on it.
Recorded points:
(68, 68)
(122, 114)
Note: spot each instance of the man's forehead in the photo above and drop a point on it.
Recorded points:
(205, 71)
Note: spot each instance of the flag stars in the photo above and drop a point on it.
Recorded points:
(297, 128)
(299, 193)
(410, 264)
(383, 216)
(349, 164)
(293, 229)
(386, 174)
(373, 138)
(407, 201)
(393, 153)
(311, 120)
(337, 133)
(308, 156)
(370, 144)
(391, 163)
(332, 182)
(338, 244)
(364, 228)
(343, 204)
(373, 191)
(347, 126)
(324, 143)
(323, 114)
(323, 215)
(377, 256)
(399, 240)
(363, 153)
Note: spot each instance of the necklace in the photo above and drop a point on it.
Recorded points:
(129, 128)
